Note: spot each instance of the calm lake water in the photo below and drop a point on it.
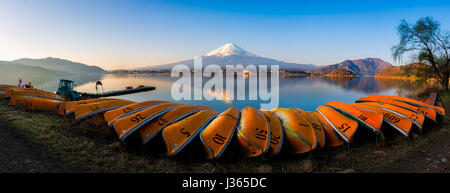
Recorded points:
(302, 92)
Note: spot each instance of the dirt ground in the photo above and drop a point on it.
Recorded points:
(431, 158)
(19, 154)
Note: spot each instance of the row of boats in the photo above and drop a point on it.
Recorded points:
(258, 132)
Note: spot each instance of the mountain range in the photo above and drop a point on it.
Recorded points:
(232, 54)
(228, 54)
(12, 70)
(366, 66)
(46, 67)
(60, 65)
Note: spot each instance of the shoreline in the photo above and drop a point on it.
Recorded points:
(287, 74)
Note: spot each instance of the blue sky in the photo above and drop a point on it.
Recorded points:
(126, 34)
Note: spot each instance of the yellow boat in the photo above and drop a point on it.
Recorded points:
(126, 126)
(112, 115)
(9, 91)
(345, 126)
(32, 93)
(4, 87)
(276, 133)
(429, 113)
(85, 110)
(253, 133)
(14, 100)
(35, 103)
(398, 121)
(217, 135)
(69, 107)
(371, 119)
(7, 86)
(152, 128)
(439, 110)
(331, 137)
(178, 135)
(299, 132)
(316, 125)
(416, 118)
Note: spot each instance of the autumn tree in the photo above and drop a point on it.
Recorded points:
(429, 45)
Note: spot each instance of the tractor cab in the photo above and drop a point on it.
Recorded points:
(65, 89)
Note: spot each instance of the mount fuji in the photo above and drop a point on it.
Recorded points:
(232, 54)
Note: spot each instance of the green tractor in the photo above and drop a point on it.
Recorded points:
(65, 89)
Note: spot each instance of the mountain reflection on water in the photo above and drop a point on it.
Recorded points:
(303, 92)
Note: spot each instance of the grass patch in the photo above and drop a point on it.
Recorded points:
(93, 147)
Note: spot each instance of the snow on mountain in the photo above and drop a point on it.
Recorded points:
(228, 50)
(232, 54)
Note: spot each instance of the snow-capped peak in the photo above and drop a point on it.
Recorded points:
(228, 50)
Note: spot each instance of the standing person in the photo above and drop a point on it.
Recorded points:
(20, 83)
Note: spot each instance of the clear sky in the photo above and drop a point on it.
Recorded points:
(126, 34)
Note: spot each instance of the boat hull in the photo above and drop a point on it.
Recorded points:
(300, 135)
(219, 132)
(253, 133)
(178, 135)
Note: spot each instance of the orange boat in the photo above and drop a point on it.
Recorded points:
(4, 87)
(276, 133)
(112, 115)
(416, 118)
(217, 135)
(17, 100)
(343, 125)
(178, 135)
(152, 128)
(7, 86)
(429, 113)
(126, 126)
(425, 100)
(9, 91)
(316, 125)
(439, 110)
(32, 93)
(371, 119)
(253, 133)
(331, 137)
(398, 121)
(69, 107)
(299, 132)
(13, 101)
(35, 103)
(85, 110)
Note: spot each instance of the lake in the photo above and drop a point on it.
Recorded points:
(301, 92)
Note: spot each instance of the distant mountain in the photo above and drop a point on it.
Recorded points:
(231, 54)
(11, 72)
(367, 66)
(15, 71)
(341, 72)
(60, 65)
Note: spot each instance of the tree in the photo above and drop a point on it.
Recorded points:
(430, 46)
